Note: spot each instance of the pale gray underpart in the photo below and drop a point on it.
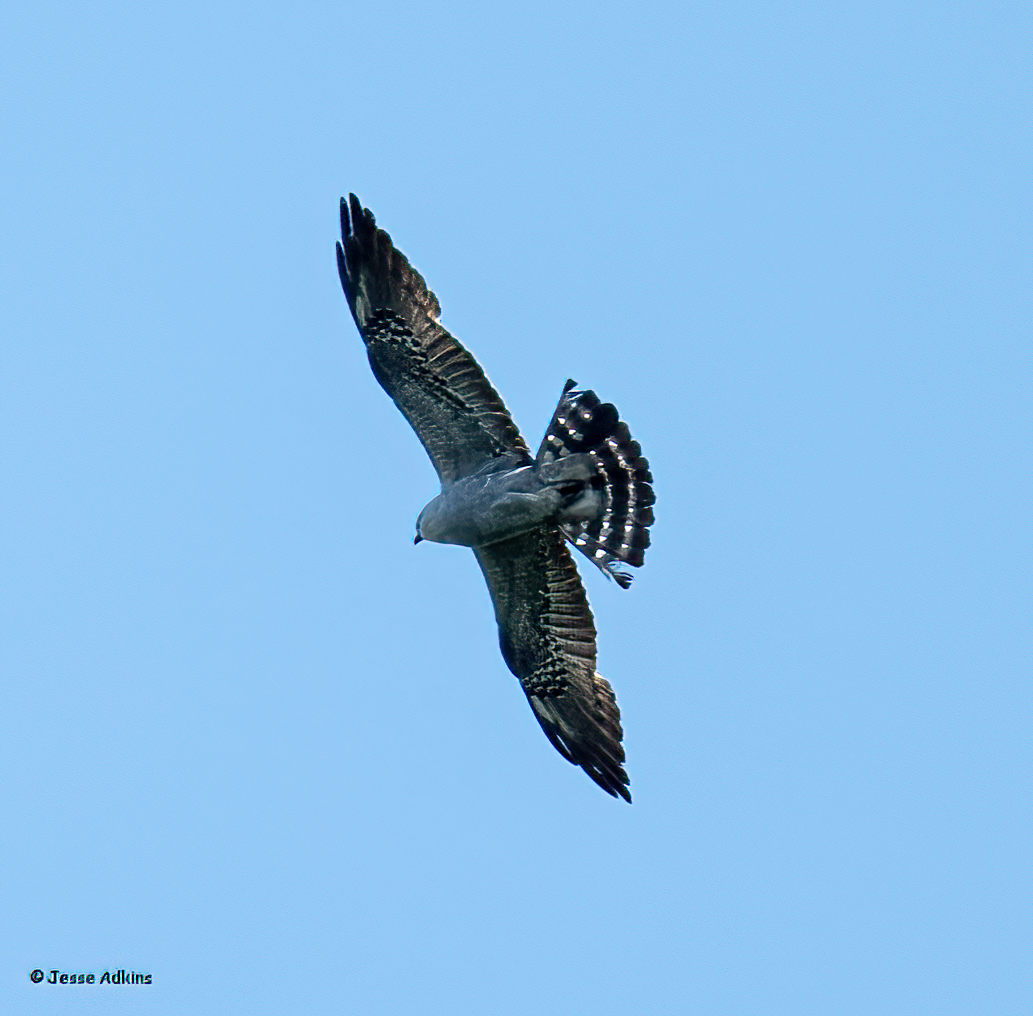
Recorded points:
(494, 506)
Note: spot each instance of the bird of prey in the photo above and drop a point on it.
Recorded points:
(588, 484)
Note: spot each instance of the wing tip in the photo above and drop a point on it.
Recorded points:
(357, 211)
(615, 787)
(355, 218)
(596, 747)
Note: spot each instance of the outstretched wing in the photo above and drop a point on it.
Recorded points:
(547, 637)
(433, 380)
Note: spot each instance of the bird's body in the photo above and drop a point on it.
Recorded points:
(497, 505)
(588, 484)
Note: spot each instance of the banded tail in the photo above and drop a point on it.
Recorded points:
(612, 528)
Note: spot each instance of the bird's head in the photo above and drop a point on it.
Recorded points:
(430, 523)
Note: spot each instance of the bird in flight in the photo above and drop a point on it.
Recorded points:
(588, 485)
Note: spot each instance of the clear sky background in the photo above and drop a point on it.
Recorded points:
(257, 744)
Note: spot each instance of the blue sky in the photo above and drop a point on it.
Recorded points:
(260, 746)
